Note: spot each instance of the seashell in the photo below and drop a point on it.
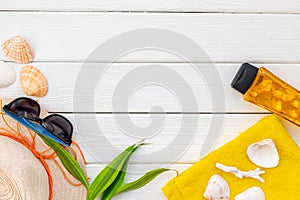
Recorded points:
(253, 193)
(18, 50)
(264, 153)
(33, 81)
(217, 189)
(7, 75)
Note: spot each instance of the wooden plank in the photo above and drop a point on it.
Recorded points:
(59, 36)
(150, 191)
(62, 79)
(233, 124)
(267, 6)
(104, 137)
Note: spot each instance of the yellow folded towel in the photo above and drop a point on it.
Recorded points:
(282, 182)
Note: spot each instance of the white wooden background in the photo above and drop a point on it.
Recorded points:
(64, 33)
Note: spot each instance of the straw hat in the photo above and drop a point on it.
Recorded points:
(30, 170)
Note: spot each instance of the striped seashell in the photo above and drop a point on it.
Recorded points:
(33, 81)
(18, 50)
(217, 189)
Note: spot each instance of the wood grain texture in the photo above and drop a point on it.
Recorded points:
(59, 36)
(232, 126)
(104, 138)
(256, 6)
(64, 33)
(62, 86)
(135, 171)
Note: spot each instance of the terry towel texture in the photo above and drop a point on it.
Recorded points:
(282, 182)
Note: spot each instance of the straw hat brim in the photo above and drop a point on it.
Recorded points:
(25, 174)
(22, 176)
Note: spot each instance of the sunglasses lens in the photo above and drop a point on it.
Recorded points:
(59, 126)
(27, 108)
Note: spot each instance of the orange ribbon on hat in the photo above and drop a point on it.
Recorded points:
(29, 142)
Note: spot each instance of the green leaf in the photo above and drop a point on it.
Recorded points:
(108, 175)
(118, 182)
(148, 177)
(67, 160)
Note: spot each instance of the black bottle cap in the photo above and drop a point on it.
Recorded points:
(244, 78)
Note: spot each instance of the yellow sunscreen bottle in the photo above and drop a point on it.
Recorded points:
(261, 87)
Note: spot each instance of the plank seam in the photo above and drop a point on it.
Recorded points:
(157, 62)
(169, 113)
(153, 11)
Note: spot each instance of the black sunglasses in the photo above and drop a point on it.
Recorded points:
(27, 112)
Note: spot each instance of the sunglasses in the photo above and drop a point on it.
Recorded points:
(27, 112)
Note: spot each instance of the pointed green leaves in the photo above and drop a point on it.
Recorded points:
(67, 160)
(148, 177)
(108, 175)
(118, 182)
(110, 181)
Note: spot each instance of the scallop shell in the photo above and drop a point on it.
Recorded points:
(217, 189)
(253, 193)
(7, 75)
(18, 50)
(33, 81)
(264, 153)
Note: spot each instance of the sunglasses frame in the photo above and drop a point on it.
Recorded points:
(32, 123)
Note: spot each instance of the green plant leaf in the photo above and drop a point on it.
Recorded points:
(108, 175)
(67, 160)
(148, 177)
(118, 182)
